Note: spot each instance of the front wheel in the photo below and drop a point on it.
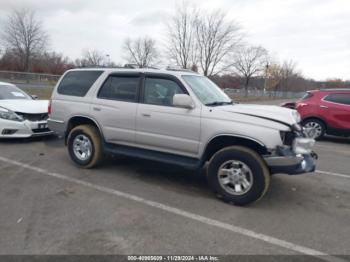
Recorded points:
(85, 146)
(238, 175)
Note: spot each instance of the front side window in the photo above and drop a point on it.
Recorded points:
(77, 83)
(120, 88)
(338, 98)
(12, 92)
(206, 91)
(160, 91)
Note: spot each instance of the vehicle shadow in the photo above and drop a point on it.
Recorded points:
(170, 177)
(336, 139)
(28, 140)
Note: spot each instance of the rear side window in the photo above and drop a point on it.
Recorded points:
(78, 83)
(338, 98)
(121, 88)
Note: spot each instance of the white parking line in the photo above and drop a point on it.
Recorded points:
(183, 213)
(332, 174)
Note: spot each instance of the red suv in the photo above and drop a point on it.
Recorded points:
(325, 111)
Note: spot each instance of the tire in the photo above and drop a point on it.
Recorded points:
(318, 125)
(85, 134)
(241, 158)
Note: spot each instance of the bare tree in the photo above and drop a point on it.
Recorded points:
(53, 63)
(216, 39)
(283, 77)
(250, 61)
(289, 73)
(181, 36)
(93, 58)
(23, 33)
(141, 51)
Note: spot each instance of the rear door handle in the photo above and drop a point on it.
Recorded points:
(96, 108)
(324, 106)
(146, 115)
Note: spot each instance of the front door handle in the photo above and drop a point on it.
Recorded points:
(324, 106)
(96, 108)
(146, 115)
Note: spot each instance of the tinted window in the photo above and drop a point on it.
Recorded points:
(160, 91)
(338, 98)
(78, 83)
(120, 88)
(12, 92)
(306, 96)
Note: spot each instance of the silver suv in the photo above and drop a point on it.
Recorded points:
(180, 118)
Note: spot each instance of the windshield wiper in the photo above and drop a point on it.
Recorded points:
(219, 103)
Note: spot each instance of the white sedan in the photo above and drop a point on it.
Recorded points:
(21, 116)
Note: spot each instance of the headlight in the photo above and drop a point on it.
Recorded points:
(303, 145)
(10, 115)
(296, 116)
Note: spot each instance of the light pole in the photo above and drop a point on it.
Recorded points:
(108, 60)
(265, 82)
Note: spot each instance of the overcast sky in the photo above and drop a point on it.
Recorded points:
(314, 33)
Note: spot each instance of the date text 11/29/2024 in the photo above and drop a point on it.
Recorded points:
(173, 258)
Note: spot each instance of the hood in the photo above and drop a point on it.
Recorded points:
(274, 113)
(26, 106)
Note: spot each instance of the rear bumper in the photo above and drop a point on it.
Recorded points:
(291, 164)
(57, 126)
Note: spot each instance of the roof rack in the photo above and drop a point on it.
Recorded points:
(179, 69)
(335, 89)
(97, 66)
(135, 66)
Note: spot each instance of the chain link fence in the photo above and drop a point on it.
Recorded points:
(263, 94)
(29, 79)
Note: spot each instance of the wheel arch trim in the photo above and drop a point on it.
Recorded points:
(87, 117)
(205, 149)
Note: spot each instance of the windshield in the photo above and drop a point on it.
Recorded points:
(12, 92)
(207, 92)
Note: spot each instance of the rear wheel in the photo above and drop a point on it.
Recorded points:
(314, 128)
(85, 146)
(238, 175)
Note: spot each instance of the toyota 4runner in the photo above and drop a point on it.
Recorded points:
(179, 118)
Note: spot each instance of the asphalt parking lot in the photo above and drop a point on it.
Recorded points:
(129, 206)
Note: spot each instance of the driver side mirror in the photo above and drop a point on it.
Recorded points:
(183, 100)
(35, 97)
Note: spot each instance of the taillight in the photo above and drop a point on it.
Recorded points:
(49, 107)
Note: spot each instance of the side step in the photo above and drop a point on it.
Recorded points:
(172, 159)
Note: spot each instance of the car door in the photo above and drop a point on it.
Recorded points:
(115, 107)
(161, 126)
(336, 108)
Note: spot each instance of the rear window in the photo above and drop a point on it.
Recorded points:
(78, 83)
(307, 96)
(338, 98)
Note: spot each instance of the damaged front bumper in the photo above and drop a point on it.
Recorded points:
(285, 161)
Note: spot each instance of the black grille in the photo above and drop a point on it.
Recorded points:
(41, 130)
(34, 117)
